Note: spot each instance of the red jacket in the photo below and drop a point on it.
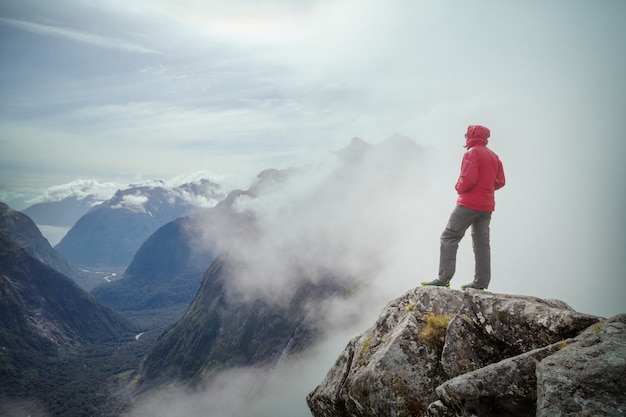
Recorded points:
(481, 175)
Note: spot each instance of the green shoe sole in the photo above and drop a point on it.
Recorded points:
(435, 283)
(472, 286)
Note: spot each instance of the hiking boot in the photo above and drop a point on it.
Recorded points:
(436, 283)
(471, 285)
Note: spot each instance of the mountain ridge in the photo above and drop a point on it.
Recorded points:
(44, 313)
(22, 229)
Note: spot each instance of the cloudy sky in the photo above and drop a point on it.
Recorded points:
(116, 90)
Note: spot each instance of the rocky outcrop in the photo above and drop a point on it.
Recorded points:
(586, 377)
(446, 353)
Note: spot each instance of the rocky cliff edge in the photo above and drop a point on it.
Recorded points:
(439, 352)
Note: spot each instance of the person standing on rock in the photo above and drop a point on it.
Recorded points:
(481, 174)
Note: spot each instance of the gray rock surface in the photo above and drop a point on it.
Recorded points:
(505, 389)
(588, 376)
(447, 353)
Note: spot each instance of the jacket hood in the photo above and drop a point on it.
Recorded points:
(476, 135)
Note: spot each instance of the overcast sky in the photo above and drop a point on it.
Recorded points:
(117, 90)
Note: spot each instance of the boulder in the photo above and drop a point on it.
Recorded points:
(582, 376)
(587, 377)
(504, 389)
(443, 352)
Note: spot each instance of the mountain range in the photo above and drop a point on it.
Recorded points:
(111, 232)
(272, 257)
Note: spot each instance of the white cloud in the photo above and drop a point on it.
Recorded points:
(78, 189)
(353, 220)
(276, 392)
(132, 202)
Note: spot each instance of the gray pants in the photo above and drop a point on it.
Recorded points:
(460, 220)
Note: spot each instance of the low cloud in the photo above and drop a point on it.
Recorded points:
(101, 191)
(261, 392)
(78, 189)
(352, 215)
(132, 202)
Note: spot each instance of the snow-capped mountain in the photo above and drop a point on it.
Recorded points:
(111, 232)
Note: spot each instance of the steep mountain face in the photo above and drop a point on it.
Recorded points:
(111, 232)
(221, 330)
(167, 268)
(42, 310)
(64, 213)
(59, 347)
(446, 353)
(21, 229)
